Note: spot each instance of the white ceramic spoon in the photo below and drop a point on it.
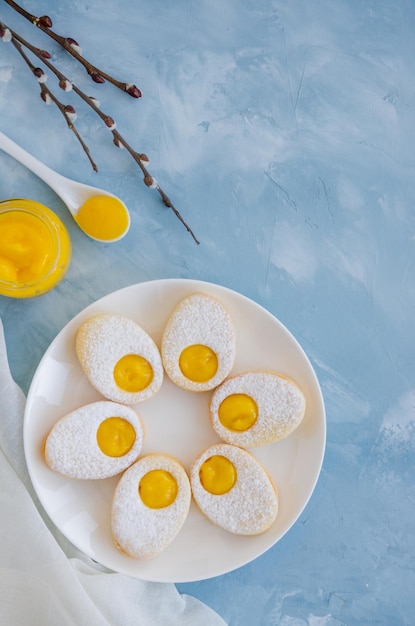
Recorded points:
(72, 193)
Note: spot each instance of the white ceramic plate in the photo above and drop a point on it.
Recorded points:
(177, 423)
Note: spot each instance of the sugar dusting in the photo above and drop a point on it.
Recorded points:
(138, 530)
(102, 341)
(280, 402)
(198, 319)
(71, 447)
(251, 506)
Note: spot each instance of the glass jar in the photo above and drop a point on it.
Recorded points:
(35, 249)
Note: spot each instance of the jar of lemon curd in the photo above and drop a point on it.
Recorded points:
(35, 249)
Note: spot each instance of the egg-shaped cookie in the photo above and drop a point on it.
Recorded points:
(150, 506)
(119, 358)
(95, 441)
(233, 490)
(198, 343)
(256, 408)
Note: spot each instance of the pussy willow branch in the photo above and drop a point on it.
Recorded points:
(65, 84)
(44, 23)
(47, 96)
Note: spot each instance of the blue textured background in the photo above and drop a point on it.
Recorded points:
(283, 130)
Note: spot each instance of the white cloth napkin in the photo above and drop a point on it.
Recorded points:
(44, 580)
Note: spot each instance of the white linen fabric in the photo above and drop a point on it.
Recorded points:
(44, 580)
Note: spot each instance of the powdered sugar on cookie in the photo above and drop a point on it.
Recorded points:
(198, 344)
(119, 358)
(250, 506)
(72, 446)
(278, 402)
(139, 530)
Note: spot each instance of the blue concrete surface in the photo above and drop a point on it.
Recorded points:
(283, 130)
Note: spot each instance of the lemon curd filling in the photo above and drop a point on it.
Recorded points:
(115, 436)
(35, 249)
(103, 217)
(25, 247)
(158, 489)
(217, 475)
(238, 412)
(133, 373)
(198, 363)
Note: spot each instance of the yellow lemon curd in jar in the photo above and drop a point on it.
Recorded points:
(158, 489)
(104, 218)
(35, 249)
(115, 436)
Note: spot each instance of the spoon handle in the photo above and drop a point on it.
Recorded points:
(45, 173)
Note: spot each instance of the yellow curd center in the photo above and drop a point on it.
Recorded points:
(198, 363)
(133, 373)
(26, 247)
(238, 412)
(35, 249)
(115, 436)
(103, 218)
(217, 475)
(158, 489)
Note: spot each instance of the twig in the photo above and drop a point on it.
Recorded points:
(65, 84)
(44, 23)
(47, 96)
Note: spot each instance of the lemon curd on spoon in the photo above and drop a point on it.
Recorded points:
(35, 249)
(104, 218)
